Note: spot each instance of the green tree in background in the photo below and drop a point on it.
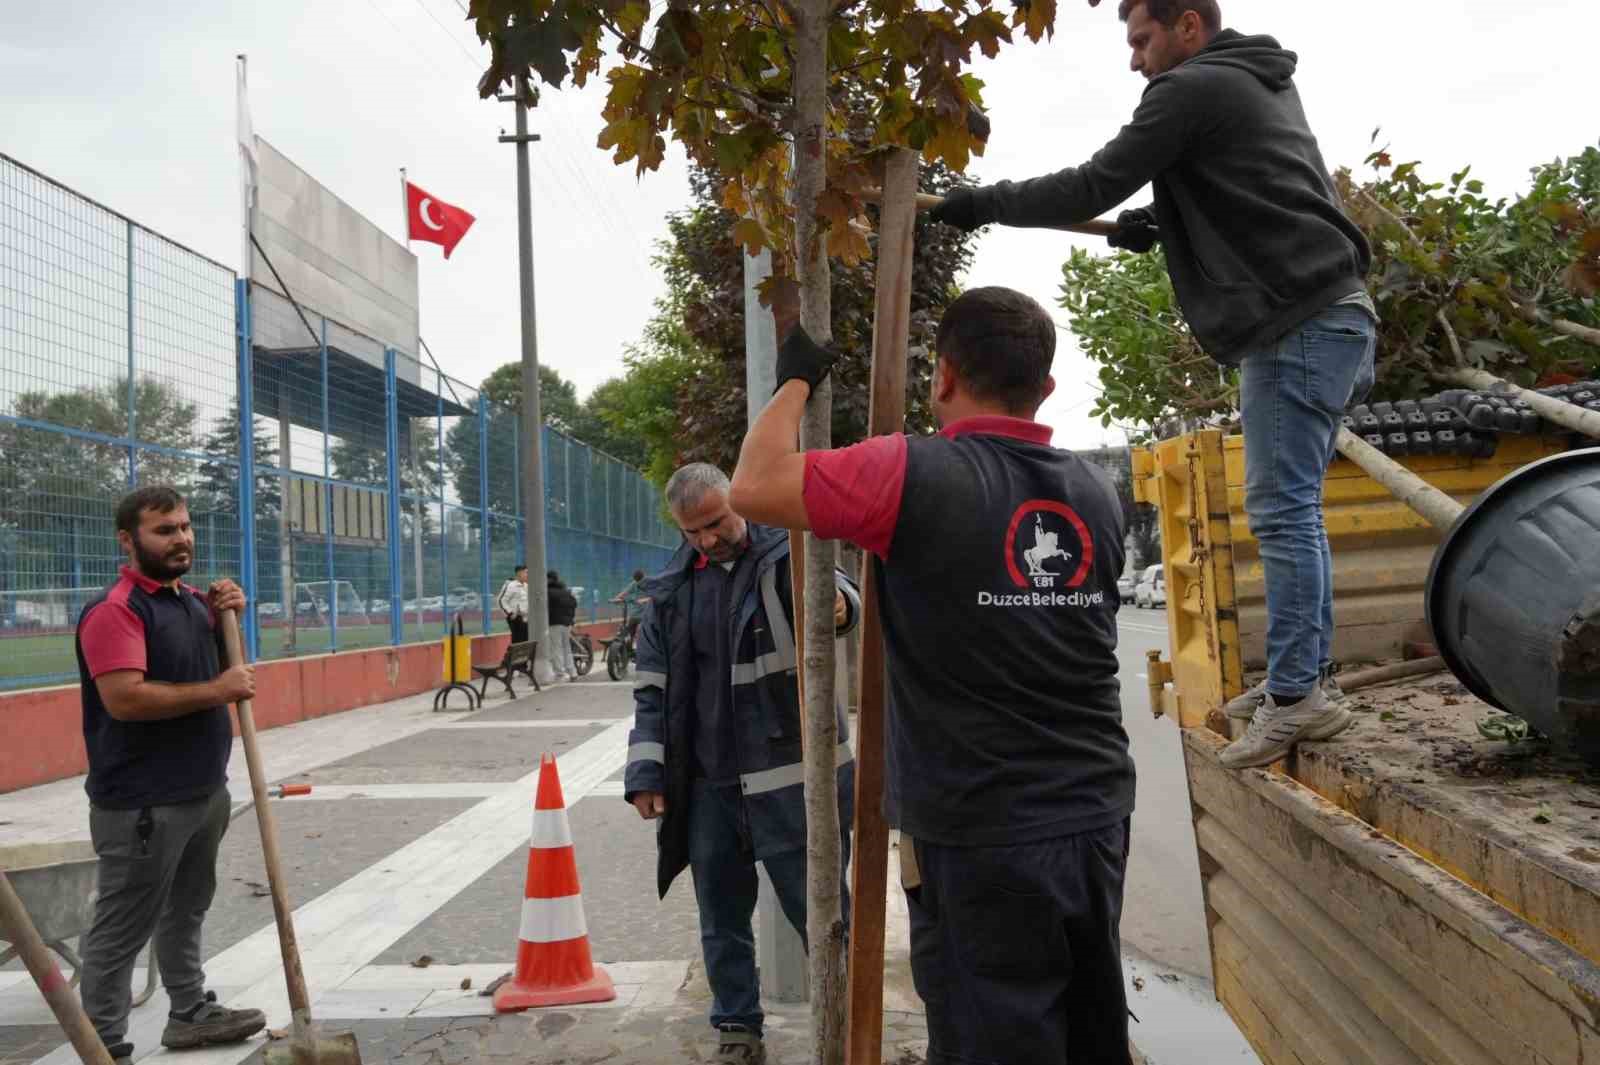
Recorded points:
(695, 341)
(1512, 283)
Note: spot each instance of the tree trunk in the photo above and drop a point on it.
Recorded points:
(824, 920)
(1556, 411)
(1438, 509)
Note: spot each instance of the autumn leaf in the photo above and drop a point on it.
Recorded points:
(748, 234)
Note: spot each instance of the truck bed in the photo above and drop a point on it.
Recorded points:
(1518, 821)
(1410, 892)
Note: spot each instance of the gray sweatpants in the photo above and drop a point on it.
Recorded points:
(158, 872)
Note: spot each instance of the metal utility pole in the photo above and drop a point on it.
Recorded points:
(532, 417)
(780, 953)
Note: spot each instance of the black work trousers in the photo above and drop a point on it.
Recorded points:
(1016, 950)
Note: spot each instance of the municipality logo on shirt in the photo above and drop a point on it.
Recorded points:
(1048, 553)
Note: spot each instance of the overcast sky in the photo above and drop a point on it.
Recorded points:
(132, 104)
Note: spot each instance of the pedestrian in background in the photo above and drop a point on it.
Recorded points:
(514, 604)
(158, 735)
(563, 611)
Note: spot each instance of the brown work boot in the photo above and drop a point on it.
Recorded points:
(738, 1045)
(210, 1023)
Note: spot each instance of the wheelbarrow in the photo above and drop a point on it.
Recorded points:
(56, 882)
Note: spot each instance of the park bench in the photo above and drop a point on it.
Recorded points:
(517, 659)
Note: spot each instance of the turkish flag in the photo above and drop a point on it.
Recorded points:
(434, 220)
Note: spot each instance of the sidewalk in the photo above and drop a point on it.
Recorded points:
(412, 844)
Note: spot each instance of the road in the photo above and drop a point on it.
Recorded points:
(1163, 916)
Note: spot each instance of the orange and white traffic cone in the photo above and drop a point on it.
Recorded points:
(553, 963)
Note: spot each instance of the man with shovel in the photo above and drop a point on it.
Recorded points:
(1270, 275)
(158, 734)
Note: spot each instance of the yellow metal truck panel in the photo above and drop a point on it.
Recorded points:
(1381, 548)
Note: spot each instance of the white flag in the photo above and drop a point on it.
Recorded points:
(249, 168)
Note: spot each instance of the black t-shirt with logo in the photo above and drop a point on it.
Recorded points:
(999, 602)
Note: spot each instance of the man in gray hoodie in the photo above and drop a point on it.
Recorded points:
(1271, 278)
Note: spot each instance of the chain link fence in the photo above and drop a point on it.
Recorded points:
(366, 498)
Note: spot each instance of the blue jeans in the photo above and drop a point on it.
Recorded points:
(1292, 395)
(723, 863)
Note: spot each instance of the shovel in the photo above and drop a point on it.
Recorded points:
(306, 1046)
(927, 201)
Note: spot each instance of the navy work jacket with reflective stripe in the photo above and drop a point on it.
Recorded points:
(766, 704)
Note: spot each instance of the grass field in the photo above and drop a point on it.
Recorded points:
(35, 661)
(49, 658)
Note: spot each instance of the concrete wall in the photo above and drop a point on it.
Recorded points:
(44, 726)
(333, 259)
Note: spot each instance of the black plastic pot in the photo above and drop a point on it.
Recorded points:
(1513, 597)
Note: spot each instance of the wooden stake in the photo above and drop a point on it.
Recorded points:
(891, 330)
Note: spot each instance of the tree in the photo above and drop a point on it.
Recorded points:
(54, 486)
(599, 424)
(704, 268)
(1512, 283)
(558, 397)
(736, 82)
(217, 489)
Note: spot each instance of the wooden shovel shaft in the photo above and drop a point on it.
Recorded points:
(19, 929)
(927, 201)
(293, 974)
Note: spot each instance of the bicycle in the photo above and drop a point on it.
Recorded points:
(582, 653)
(619, 649)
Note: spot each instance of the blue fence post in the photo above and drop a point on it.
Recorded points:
(327, 504)
(247, 468)
(133, 422)
(444, 510)
(483, 505)
(391, 417)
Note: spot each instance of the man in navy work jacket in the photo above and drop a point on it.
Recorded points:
(1009, 775)
(158, 734)
(715, 749)
(1271, 278)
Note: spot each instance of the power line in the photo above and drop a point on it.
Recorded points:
(453, 39)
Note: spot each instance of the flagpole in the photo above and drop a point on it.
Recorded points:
(411, 436)
(405, 209)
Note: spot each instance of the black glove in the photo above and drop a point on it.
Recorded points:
(1136, 230)
(803, 359)
(959, 208)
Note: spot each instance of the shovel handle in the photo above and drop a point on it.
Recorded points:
(927, 201)
(282, 912)
(19, 929)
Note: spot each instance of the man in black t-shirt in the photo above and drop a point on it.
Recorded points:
(1009, 774)
(158, 735)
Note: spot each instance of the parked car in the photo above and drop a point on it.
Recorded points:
(1125, 587)
(1151, 591)
(269, 610)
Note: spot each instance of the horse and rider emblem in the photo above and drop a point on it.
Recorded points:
(1047, 546)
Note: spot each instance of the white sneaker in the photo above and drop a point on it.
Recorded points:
(1244, 707)
(1275, 729)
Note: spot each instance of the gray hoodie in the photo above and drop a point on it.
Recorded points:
(1255, 239)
